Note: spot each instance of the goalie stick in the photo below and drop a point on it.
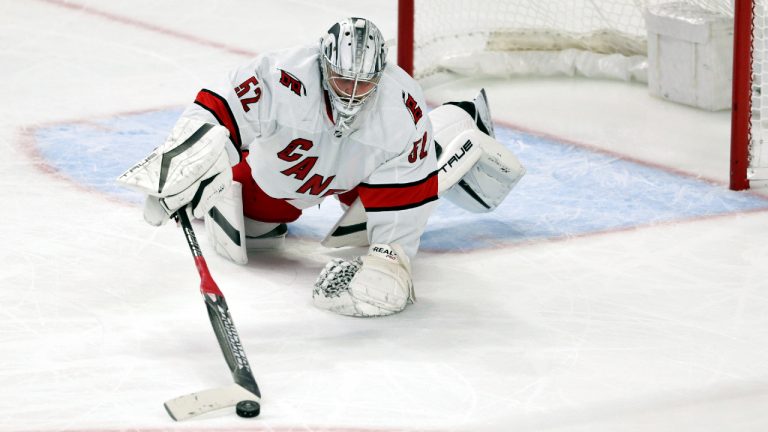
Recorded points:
(245, 387)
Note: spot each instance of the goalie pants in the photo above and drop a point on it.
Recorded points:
(259, 206)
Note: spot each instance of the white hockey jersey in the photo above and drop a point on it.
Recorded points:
(275, 108)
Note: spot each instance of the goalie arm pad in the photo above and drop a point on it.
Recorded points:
(193, 166)
(475, 171)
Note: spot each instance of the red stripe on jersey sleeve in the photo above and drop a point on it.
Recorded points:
(219, 108)
(389, 197)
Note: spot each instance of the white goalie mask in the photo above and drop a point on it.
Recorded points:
(352, 58)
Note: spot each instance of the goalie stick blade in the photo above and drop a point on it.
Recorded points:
(202, 402)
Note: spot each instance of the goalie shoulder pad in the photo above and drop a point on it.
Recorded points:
(190, 151)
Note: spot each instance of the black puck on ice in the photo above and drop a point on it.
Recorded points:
(247, 408)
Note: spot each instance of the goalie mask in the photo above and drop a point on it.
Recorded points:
(352, 59)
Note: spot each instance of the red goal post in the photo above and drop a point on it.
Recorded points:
(741, 106)
(432, 34)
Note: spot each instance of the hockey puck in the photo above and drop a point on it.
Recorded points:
(247, 408)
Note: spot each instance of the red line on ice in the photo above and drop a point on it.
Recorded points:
(148, 26)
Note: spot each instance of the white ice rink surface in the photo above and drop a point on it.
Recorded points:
(660, 324)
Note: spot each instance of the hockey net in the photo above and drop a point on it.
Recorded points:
(592, 38)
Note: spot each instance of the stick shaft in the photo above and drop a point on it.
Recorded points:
(218, 312)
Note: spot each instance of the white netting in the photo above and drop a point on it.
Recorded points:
(540, 37)
(593, 38)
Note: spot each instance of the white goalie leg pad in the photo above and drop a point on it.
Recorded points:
(489, 180)
(232, 234)
(457, 154)
(225, 225)
(377, 284)
(475, 171)
(449, 121)
(264, 235)
(484, 112)
(350, 230)
(457, 158)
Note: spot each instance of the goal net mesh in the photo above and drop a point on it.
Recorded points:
(448, 32)
(593, 38)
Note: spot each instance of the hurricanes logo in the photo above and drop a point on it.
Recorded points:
(291, 82)
(413, 107)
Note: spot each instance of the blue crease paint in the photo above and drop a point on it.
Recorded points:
(568, 190)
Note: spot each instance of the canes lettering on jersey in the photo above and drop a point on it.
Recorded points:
(317, 183)
(288, 153)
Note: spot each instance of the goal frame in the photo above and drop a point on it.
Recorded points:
(741, 102)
